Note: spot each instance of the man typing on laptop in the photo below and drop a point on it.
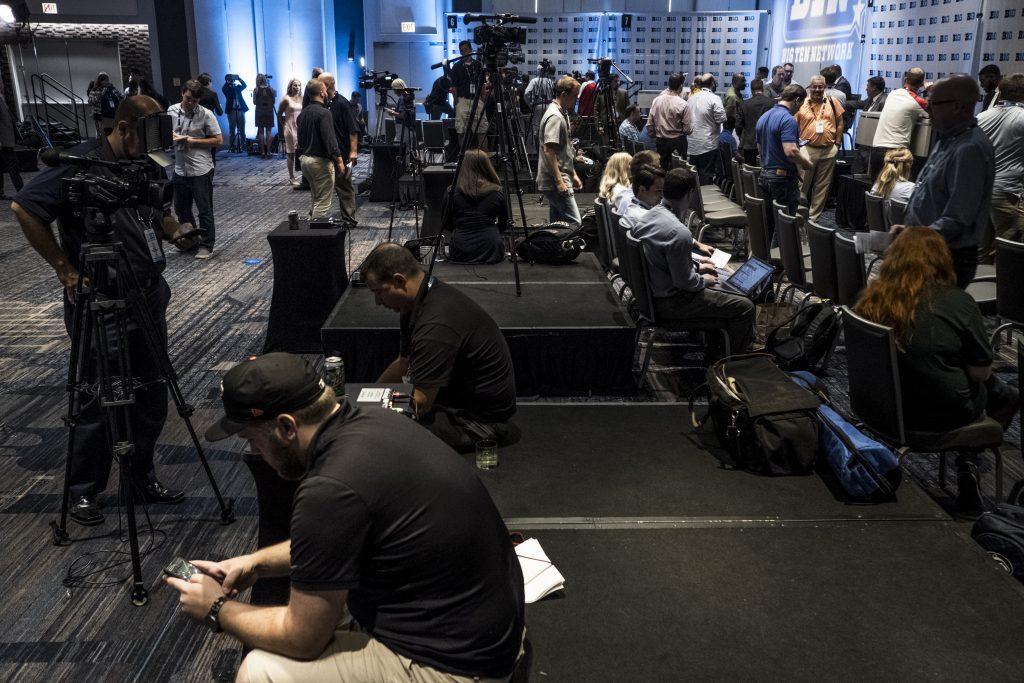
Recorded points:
(678, 285)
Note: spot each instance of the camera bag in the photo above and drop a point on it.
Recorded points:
(766, 422)
(1001, 533)
(554, 244)
(813, 331)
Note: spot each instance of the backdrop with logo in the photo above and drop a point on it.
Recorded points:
(813, 34)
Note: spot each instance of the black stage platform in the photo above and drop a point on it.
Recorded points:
(678, 569)
(568, 334)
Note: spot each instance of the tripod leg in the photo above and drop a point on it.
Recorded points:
(80, 338)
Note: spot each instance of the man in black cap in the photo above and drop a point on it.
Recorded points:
(451, 350)
(387, 522)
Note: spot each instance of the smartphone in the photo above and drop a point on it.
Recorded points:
(181, 569)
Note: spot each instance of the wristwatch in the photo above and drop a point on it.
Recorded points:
(212, 617)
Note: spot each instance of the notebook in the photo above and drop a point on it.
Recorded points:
(540, 578)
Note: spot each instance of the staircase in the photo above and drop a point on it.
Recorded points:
(60, 116)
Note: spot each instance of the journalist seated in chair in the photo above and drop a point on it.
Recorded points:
(624, 198)
(481, 211)
(615, 179)
(453, 353)
(894, 179)
(945, 360)
(678, 285)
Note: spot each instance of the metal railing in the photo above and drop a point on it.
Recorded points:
(61, 107)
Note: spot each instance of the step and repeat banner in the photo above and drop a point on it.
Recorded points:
(648, 47)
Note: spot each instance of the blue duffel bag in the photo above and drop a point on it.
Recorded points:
(867, 471)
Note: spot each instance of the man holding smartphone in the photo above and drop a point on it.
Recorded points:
(400, 565)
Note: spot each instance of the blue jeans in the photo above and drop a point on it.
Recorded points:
(199, 189)
(783, 189)
(562, 207)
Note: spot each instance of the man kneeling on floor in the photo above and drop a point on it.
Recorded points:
(451, 351)
(680, 289)
(387, 522)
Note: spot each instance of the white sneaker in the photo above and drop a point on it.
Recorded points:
(204, 253)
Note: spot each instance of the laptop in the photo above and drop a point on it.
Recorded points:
(748, 279)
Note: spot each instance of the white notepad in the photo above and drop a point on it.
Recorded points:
(720, 258)
(370, 395)
(540, 578)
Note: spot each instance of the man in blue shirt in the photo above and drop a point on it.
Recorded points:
(954, 188)
(777, 140)
(678, 286)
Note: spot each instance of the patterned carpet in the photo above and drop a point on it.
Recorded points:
(217, 317)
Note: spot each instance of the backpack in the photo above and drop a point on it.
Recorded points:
(813, 332)
(554, 244)
(766, 421)
(867, 471)
(588, 229)
(1001, 533)
(108, 103)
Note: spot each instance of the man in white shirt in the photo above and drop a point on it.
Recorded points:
(708, 116)
(196, 133)
(901, 112)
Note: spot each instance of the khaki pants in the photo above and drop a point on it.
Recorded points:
(816, 181)
(351, 656)
(319, 172)
(462, 109)
(1007, 221)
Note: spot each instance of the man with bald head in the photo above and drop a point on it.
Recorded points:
(347, 132)
(954, 188)
(821, 125)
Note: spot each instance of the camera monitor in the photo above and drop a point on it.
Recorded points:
(155, 130)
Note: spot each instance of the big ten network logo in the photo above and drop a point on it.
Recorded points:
(814, 20)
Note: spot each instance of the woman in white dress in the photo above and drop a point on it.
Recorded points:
(288, 117)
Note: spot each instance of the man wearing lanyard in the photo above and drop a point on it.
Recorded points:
(778, 142)
(821, 125)
(465, 75)
(196, 134)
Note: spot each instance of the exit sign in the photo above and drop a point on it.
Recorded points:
(408, 27)
(49, 8)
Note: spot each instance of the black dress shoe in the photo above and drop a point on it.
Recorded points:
(86, 512)
(155, 492)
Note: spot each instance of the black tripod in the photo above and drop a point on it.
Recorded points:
(607, 128)
(506, 153)
(407, 142)
(112, 299)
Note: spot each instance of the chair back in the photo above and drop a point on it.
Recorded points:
(850, 276)
(757, 227)
(874, 376)
(619, 244)
(875, 207)
(1010, 280)
(777, 208)
(639, 282)
(750, 175)
(697, 203)
(897, 212)
(604, 249)
(788, 231)
(737, 182)
(823, 260)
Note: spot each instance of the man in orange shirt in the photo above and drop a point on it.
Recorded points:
(820, 120)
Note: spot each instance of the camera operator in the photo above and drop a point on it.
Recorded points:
(235, 107)
(539, 94)
(465, 75)
(40, 203)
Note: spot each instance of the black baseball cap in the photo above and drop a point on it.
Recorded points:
(262, 388)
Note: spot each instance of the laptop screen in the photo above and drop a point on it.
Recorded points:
(750, 275)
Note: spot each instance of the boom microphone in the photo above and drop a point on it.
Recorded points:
(512, 18)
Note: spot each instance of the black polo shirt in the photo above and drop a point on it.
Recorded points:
(454, 345)
(344, 124)
(464, 76)
(389, 512)
(43, 197)
(317, 135)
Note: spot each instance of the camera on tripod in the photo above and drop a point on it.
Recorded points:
(499, 43)
(128, 186)
(604, 66)
(376, 80)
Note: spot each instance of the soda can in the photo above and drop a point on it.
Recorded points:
(293, 220)
(334, 374)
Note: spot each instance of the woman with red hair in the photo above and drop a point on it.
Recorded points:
(945, 359)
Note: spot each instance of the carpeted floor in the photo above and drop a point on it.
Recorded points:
(217, 316)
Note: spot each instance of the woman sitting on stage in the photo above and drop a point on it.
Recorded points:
(616, 179)
(480, 212)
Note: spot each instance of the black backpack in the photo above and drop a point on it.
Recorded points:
(554, 244)
(766, 421)
(1001, 533)
(812, 334)
(588, 229)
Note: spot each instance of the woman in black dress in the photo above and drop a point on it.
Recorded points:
(480, 212)
(264, 98)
